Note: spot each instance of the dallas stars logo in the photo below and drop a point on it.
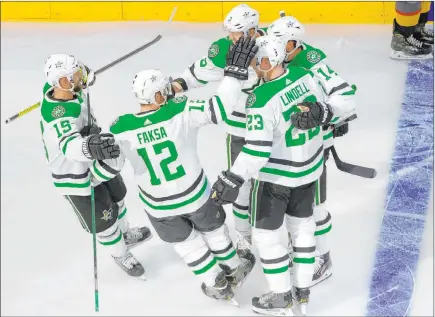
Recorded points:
(313, 57)
(213, 51)
(107, 215)
(58, 112)
(263, 43)
(58, 64)
(246, 14)
(153, 78)
(251, 100)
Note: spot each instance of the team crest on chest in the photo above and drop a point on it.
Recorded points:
(313, 57)
(213, 51)
(251, 100)
(58, 112)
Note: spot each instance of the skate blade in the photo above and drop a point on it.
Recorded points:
(274, 311)
(395, 55)
(233, 301)
(300, 310)
(325, 276)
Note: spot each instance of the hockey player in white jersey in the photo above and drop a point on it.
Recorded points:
(242, 20)
(72, 147)
(160, 142)
(339, 92)
(284, 162)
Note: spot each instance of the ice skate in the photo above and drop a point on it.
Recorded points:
(131, 265)
(426, 34)
(220, 290)
(275, 304)
(411, 47)
(136, 235)
(323, 268)
(244, 245)
(236, 277)
(301, 297)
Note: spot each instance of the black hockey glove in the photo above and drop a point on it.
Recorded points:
(88, 130)
(226, 189)
(89, 77)
(239, 58)
(341, 130)
(178, 85)
(313, 114)
(100, 147)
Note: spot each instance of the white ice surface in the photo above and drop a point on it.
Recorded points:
(46, 257)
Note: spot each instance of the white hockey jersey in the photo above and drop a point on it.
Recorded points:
(211, 69)
(339, 93)
(161, 146)
(61, 122)
(275, 150)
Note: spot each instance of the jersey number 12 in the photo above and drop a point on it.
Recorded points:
(164, 164)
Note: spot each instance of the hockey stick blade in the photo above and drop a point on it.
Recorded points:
(365, 172)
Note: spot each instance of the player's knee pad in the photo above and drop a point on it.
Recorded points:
(302, 231)
(268, 242)
(217, 238)
(191, 247)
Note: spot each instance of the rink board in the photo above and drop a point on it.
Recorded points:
(193, 11)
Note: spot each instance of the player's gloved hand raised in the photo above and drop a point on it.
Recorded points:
(178, 85)
(88, 130)
(226, 189)
(341, 130)
(313, 114)
(100, 147)
(89, 77)
(239, 58)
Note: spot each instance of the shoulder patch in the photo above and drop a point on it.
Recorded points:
(313, 57)
(213, 51)
(179, 99)
(251, 100)
(58, 111)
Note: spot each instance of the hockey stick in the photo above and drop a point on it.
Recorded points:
(94, 226)
(357, 170)
(100, 70)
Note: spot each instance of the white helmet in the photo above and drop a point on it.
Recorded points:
(242, 18)
(272, 48)
(287, 29)
(149, 82)
(61, 65)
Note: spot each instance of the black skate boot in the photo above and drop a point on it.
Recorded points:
(425, 33)
(136, 235)
(301, 297)
(220, 290)
(275, 304)
(236, 277)
(130, 265)
(323, 268)
(407, 44)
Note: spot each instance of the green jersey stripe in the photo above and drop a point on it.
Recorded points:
(289, 174)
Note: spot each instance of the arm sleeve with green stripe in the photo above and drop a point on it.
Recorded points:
(259, 140)
(339, 94)
(202, 72)
(216, 109)
(104, 170)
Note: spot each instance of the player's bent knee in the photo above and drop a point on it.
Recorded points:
(209, 217)
(172, 229)
(263, 237)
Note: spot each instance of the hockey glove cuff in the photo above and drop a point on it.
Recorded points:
(226, 189)
(341, 130)
(313, 114)
(88, 130)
